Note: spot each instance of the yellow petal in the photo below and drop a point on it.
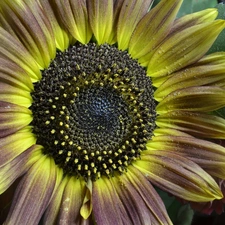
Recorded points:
(183, 48)
(101, 19)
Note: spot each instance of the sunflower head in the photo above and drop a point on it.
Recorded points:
(101, 99)
(95, 114)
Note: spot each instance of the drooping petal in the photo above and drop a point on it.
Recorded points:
(183, 48)
(13, 145)
(13, 118)
(131, 13)
(101, 19)
(209, 70)
(208, 207)
(39, 184)
(31, 27)
(179, 176)
(17, 167)
(72, 202)
(69, 203)
(12, 49)
(127, 199)
(74, 17)
(208, 155)
(62, 38)
(152, 29)
(196, 124)
(195, 99)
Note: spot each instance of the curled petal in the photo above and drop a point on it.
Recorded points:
(13, 118)
(195, 99)
(179, 176)
(183, 48)
(131, 13)
(71, 203)
(74, 17)
(44, 173)
(208, 155)
(196, 124)
(101, 19)
(152, 29)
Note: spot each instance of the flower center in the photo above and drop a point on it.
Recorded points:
(93, 110)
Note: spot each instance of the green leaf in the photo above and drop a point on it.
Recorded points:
(190, 6)
(179, 213)
(199, 5)
(220, 112)
(219, 44)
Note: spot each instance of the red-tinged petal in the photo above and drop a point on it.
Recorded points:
(194, 99)
(13, 145)
(131, 13)
(11, 73)
(208, 155)
(183, 48)
(107, 206)
(17, 167)
(197, 124)
(11, 48)
(127, 199)
(101, 19)
(51, 213)
(62, 38)
(147, 206)
(179, 176)
(39, 184)
(152, 29)
(13, 118)
(31, 27)
(74, 17)
(209, 70)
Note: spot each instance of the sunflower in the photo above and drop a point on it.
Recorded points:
(99, 101)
